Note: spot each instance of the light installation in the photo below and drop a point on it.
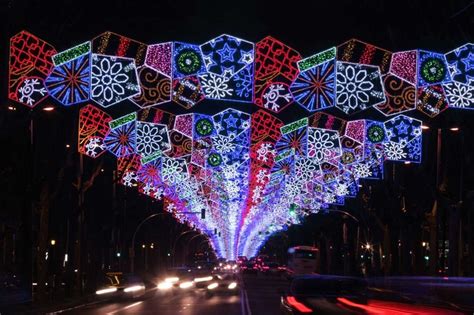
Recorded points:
(252, 173)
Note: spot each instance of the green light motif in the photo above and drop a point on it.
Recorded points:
(122, 120)
(150, 158)
(204, 127)
(433, 70)
(72, 53)
(188, 61)
(375, 134)
(294, 126)
(214, 159)
(285, 154)
(317, 59)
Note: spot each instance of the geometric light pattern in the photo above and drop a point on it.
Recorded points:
(251, 173)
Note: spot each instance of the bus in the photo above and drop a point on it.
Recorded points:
(302, 260)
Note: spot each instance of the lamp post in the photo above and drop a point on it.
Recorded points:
(176, 241)
(132, 248)
(189, 242)
(434, 217)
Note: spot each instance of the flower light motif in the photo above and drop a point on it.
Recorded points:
(113, 79)
(151, 138)
(321, 143)
(172, 170)
(353, 87)
(107, 80)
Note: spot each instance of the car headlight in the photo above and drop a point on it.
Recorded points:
(105, 291)
(165, 285)
(212, 286)
(172, 279)
(134, 288)
(186, 285)
(232, 285)
(203, 279)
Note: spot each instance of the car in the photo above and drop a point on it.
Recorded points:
(321, 295)
(241, 260)
(225, 283)
(270, 268)
(119, 285)
(327, 294)
(177, 279)
(249, 268)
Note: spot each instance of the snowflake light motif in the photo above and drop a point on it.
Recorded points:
(394, 151)
(215, 86)
(274, 95)
(361, 170)
(264, 152)
(31, 92)
(459, 95)
(223, 144)
(94, 146)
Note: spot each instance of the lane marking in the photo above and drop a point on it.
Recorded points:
(125, 308)
(72, 308)
(249, 312)
(242, 303)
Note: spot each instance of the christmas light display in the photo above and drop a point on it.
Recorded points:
(113, 79)
(69, 83)
(30, 64)
(460, 64)
(252, 173)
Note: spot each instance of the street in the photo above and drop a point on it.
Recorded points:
(256, 297)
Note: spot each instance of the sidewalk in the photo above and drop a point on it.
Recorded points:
(51, 307)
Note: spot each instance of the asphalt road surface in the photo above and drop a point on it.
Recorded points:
(258, 296)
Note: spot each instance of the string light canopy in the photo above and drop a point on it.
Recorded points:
(250, 174)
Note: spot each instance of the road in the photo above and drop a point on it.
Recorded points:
(255, 297)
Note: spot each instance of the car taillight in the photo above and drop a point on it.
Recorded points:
(298, 305)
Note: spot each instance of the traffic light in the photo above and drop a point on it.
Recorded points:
(203, 214)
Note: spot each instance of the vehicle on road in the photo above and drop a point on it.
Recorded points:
(225, 283)
(302, 260)
(242, 260)
(270, 269)
(248, 268)
(119, 285)
(176, 279)
(328, 294)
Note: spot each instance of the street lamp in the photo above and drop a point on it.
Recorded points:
(53, 242)
(132, 249)
(48, 108)
(173, 251)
